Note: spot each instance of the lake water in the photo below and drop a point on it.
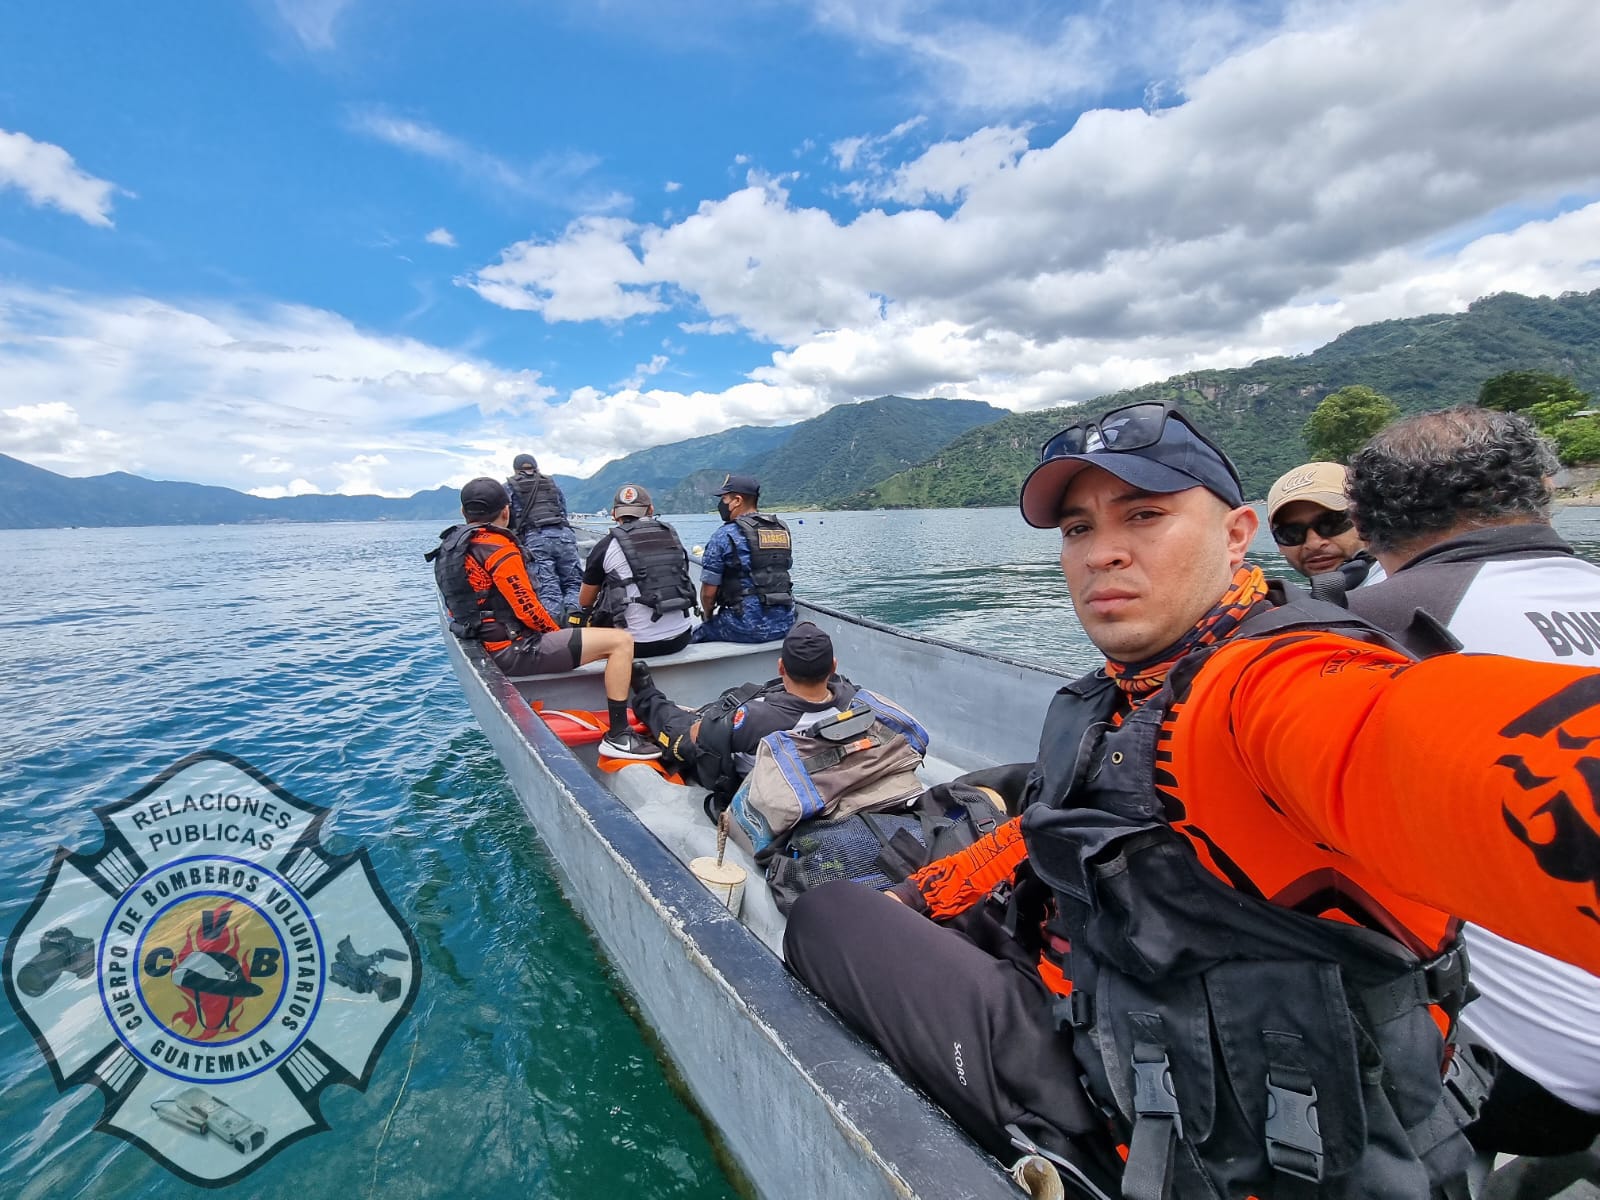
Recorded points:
(312, 653)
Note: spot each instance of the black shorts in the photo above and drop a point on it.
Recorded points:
(546, 654)
(669, 646)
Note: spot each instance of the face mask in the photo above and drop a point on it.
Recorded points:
(724, 511)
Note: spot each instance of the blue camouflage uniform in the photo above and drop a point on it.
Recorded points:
(751, 621)
(552, 554)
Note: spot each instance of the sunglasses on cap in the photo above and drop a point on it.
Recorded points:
(1329, 525)
(1133, 427)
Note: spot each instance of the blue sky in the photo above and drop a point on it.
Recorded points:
(338, 245)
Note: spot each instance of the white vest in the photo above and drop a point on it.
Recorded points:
(1539, 1014)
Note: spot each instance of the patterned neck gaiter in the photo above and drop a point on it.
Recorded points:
(1141, 679)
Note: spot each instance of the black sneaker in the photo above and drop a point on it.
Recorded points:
(641, 677)
(628, 745)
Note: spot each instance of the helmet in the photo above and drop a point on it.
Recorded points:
(524, 462)
(216, 982)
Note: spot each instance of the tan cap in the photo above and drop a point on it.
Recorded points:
(1319, 482)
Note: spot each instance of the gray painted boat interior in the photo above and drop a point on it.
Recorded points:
(804, 1106)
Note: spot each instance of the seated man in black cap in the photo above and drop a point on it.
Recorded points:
(745, 589)
(481, 573)
(715, 746)
(637, 578)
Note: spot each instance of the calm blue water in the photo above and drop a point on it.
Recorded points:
(312, 653)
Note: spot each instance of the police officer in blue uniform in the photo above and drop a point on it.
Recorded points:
(745, 588)
(539, 519)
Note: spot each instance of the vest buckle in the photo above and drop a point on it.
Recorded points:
(1468, 1076)
(1080, 1010)
(1153, 1092)
(1445, 976)
(1076, 1009)
(1294, 1143)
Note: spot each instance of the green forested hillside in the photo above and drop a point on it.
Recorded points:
(839, 452)
(661, 468)
(1256, 412)
(853, 446)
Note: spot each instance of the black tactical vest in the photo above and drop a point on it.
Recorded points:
(474, 616)
(538, 503)
(771, 556)
(1243, 1048)
(657, 564)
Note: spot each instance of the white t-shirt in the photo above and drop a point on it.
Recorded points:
(641, 622)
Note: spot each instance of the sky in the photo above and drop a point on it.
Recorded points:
(295, 246)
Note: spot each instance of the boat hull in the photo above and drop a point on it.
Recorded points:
(804, 1106)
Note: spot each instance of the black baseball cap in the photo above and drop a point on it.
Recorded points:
(524, 462)
(483, 497)
(631, 500)
(1179, 460)
(807, 652)
(739, 485)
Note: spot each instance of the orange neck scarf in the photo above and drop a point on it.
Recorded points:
(1141, 679)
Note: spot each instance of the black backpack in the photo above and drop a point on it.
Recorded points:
(879, 848)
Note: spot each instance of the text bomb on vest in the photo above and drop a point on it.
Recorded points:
(865, 757)
(474, 616)
(658, 566)
(1248, 1049)
(538, 505)
(771, 557)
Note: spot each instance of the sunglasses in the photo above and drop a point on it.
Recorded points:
(1329, 525)
(1134, 427)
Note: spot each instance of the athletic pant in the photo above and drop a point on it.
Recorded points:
(959, 1011)
(1521, 1117)
(552, 554)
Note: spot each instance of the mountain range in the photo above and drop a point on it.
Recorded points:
(1255, 413)
(931, 453)
(845, 449)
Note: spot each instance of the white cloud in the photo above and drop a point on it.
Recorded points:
(591, 273)
(1297, 187)
(869, 149)
(1039, 56)
(246, 399)
(643, 371)
(47, 175)
(312, 21)
(52, 430)
(440, 237)
(719, 326)
(946, 171)
(672, 185)
(295, 487)
(557, 179)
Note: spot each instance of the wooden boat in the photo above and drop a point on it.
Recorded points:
(806, 1108)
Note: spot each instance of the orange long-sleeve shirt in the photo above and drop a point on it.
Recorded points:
(495, 563)
(1330, 774)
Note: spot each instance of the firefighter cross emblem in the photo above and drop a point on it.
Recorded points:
(211, 969)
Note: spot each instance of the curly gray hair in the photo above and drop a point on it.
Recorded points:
(1432, 473)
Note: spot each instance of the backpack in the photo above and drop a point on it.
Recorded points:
(880, 847)
(866, 757)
